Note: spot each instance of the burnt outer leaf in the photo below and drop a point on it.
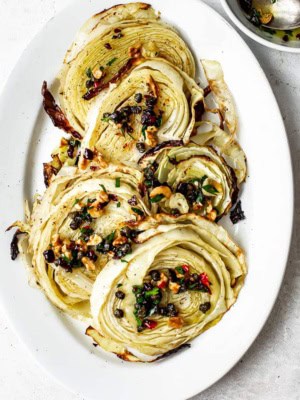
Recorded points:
(143, 6)
(151, 152)
(56, 114)
(207, 90)
(14, 249)
(199, 110)
(237, 214)
(173, 351)
(48, 171)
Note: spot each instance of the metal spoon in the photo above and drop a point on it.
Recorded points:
(286, 13)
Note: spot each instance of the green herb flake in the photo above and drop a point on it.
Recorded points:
(75, 202)
(118, 182)
(86, 230)
(138, 320)
(157, 198)
(124, 261)
(137, 211)
(103, 187)
(200, 197)
(110, 62)
(153, 292)
(159, 122)
(119, 285)
(180, 270)
(105, 119)
(89, 72)
(110, 237)
(144, 131)
(210, 189)
(118, 204)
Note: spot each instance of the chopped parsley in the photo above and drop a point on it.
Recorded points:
(103, 187)
(210, 189)
(110, 62)
(76, 202)
(110, 237)
(157, 198)
(137, 211)
(89, 72)
(180, 270)
(153, 292)
(118, 182)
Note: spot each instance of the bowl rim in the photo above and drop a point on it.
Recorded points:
(253, 35)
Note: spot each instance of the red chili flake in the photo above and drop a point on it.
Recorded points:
(203, 278)
(185, 267)
(162, 284)
(97, 84)
(150, 324)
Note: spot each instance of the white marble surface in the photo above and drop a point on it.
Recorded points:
(271, 368)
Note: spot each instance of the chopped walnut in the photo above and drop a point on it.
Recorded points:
(164, 190)
(174, 287)
(209, 207)
(119, 240)
(82, 244)
(103, 197)
(83, 163)
(197, 206)
(94, 240)
(135, 51)
(212, 215)
(175, 322)
(95, 212)
(153, 88)
(97, 73)
(56, 244)
(151, 139)
(99, 160)
(89, 265)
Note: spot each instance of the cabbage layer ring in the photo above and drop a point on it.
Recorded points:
(116, 40)
(166, 242)
(199, 179)
(176, 95)
(48, 227)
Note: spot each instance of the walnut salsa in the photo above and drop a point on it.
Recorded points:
(152, 298)
(151, 120)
